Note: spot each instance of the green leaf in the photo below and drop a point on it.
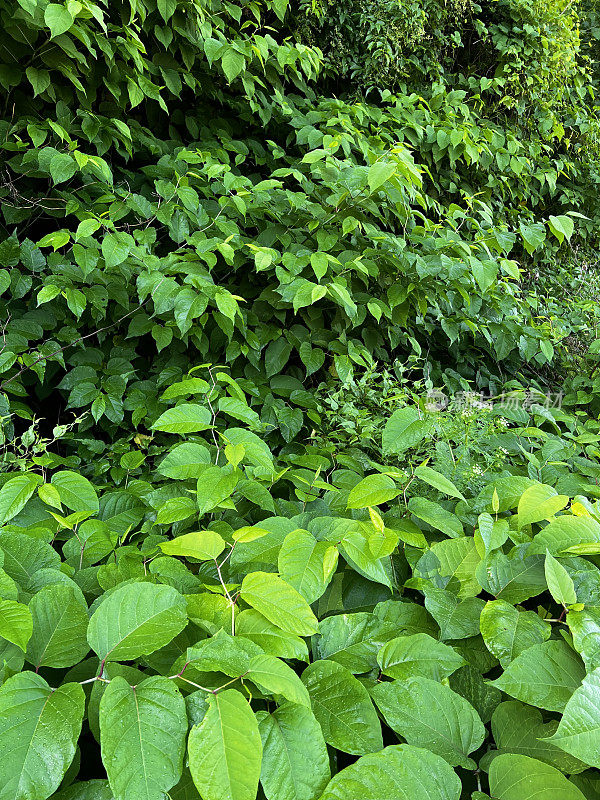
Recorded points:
(516, 777)
(184, 418)
(560, 583)
(58, 18)
(87, 227)
(518, 728)
(372, 491)
(275, 677)
(408, 656)
(279, 602)
(436, 516)
(14, 495)
(62, 168)
(39, 79)
(353, 640)
(240, 410)
(295, 764)
(24, 555)
(458, 619)
(343, 708)
(16, 624)
(428, 714)
(545, 675)
(39, 729)
(508, 632)
(223, 653)
(175, 510)
(403, 431)
(379, 173)
(562, 227)
(60, 622)
(142, 735)
(116, 248)
(579, 727)
(215, 485)
(539, 502)
(438, 481)
(306, 564)
(533, 235)
(135, 620)
(225, 749)
(167, 8)
(203, 545)
(75, 491)
(233, 63)
(401, 772)
(272, 639)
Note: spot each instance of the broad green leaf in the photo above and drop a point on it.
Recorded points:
(96, 789)
(539, 502)
(565, 532)
(404, 429)
(438, 481)
(175, 510)
(353, 640)
(545, 675)
(142, 735)
(58, 18)
(225, 749)
(516, 777)
(75, 491)
(295, 764)
(187, 460)
(210, 611)
(135, 620)
(401, 772)
(561, 226)
(214, 486)
(223, 653)
(306, 564)
(533, 235)
(14, 495)
(16, 624)
(24, 555)
(514, 577)
(518, 728)
(560, 583)
(279, 602)
(60, 622)
(379, 173)
(579, 727)
(39, 729)
(116, 248)
(62, 168)
(233, 63)
(428, 714)
(418, 655)
(458, 619)
(356, 550)
(273, 676)
(272, 639)
(203, 545)
(372, 491)
(184, 418)
(508, 632)
(343, 708)
(436, 516)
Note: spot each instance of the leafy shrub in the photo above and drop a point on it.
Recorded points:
(314, 611)
(242, 553)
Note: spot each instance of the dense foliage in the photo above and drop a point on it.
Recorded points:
(261, 534)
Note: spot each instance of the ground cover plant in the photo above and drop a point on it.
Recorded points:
(299, 461)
